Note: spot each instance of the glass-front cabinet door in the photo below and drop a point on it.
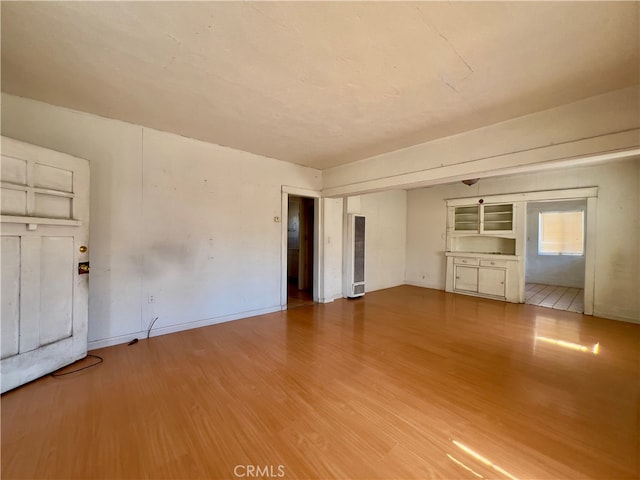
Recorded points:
(492, 218)
(467, 219)
(497, 218)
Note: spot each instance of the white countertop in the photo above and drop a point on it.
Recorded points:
(499, 256)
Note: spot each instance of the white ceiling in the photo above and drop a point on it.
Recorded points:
(318, 84)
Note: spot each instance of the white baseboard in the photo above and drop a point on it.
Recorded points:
(108, 342)
(612, 316)
(424, 285)
(331, 299)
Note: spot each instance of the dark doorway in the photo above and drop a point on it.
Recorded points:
(300, 234)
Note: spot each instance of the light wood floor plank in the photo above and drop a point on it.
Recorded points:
(551, 299)
(535, 288)
(558, 298)
(565, 301)
(577, 305)
(530, 286)
(403, 383)
(541, 295)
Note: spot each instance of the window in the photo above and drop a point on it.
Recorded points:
(561, 233)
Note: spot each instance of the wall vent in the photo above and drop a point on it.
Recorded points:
(355, 264)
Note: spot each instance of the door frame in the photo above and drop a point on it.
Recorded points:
(317, 244)
(590, 194)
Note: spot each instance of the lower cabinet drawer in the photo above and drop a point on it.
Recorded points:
(493, 263)
(466, 261)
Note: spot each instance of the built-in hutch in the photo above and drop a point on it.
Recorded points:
(485, 247)
(485, 250)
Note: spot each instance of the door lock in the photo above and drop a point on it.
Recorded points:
(83, 267)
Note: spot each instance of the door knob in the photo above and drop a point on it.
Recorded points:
(83, 267)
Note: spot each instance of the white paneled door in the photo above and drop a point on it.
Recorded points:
(44, 239)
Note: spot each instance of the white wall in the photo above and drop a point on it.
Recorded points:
(617, 258)
(426, 235)
(332, 231)
(385, 237)
(188, 222)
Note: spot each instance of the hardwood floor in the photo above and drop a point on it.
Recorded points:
(558, 298)
(297, 297)
(402, 383)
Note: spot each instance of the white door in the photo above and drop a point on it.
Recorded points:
(491, 281)
(44, 234)
(466, 279)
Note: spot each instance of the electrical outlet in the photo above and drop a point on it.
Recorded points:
(152, 299)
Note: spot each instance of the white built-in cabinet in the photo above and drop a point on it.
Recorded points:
(485, 248)
(482, 274)
(486, 241)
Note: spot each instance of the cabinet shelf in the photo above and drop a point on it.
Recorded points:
(500, 208)
(467, 219)
(483, 218)
(498, 217)
(487, 244)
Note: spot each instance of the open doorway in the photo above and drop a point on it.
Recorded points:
(556, 254)
(300, 265)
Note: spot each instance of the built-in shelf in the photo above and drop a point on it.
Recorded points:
(484, 244)
(499, 256)
(498, 217)
(483, 218)
(467, 218)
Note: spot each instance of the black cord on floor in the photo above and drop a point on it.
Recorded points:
(100, 360)
(150, 327)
